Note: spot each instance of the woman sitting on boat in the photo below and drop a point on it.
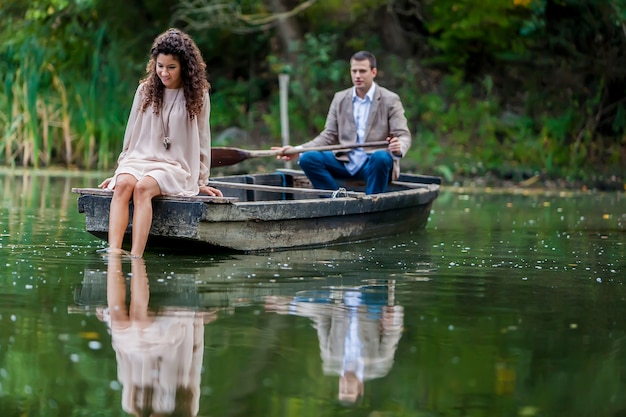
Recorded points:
(167, 141)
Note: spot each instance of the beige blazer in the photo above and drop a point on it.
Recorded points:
(386, 118)
(379, 336)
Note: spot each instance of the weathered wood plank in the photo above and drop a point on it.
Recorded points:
(254, 236)
(201, 198)
(404, 178)
(285, 190)
(410, 184)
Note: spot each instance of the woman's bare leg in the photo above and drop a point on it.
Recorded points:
(139, 293)
(118, 212)
(116, 292)
(145, 190)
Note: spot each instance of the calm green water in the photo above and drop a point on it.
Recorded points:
(509, 304)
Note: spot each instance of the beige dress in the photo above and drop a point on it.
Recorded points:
(182, 168)
(164, 356)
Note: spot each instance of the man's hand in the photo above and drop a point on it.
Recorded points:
(394, 146)
(284, 149)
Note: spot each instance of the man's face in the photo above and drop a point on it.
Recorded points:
(362, 76)
(350, 388)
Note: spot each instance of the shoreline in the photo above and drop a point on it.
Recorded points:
(613, 183)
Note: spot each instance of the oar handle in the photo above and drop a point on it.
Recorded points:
(294, 151)
(231, 156)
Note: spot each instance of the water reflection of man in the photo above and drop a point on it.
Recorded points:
(358, 331)
(159, 356)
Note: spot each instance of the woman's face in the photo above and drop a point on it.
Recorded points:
(168, 70)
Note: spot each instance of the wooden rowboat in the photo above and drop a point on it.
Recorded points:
(264, 212)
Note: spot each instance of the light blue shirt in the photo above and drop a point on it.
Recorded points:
(361, 109)
(352, 347)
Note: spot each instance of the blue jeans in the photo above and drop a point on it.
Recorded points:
(321, 167)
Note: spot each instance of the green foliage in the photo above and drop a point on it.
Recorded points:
(449, 123)
(316, 74)
(468, 33)
(229, 104)
(514, 88)
(43, 116)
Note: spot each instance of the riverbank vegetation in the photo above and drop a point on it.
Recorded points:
(513, 89)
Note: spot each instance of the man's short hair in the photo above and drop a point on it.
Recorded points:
(362, 56)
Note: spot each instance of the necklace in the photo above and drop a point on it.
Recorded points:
(166, 136)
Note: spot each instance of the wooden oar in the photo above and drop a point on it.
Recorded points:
(232, 156)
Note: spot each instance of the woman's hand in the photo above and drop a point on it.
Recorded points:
(105, 183)
(213, 192)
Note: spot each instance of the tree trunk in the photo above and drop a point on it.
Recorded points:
(287, 28)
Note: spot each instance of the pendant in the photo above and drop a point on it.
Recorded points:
(166, 142)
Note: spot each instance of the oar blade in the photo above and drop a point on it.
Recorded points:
(221, 157)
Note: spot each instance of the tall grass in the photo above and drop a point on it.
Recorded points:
(63, 118)
(52, 113)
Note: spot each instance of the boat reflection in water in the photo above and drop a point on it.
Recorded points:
(159, 353)
(358, 330)
(158, 336)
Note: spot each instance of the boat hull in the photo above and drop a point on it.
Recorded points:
(257, 220)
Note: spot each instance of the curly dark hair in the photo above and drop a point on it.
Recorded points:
(193, 72)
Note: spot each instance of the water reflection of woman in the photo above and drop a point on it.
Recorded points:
(159, 356)
(358, 331)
